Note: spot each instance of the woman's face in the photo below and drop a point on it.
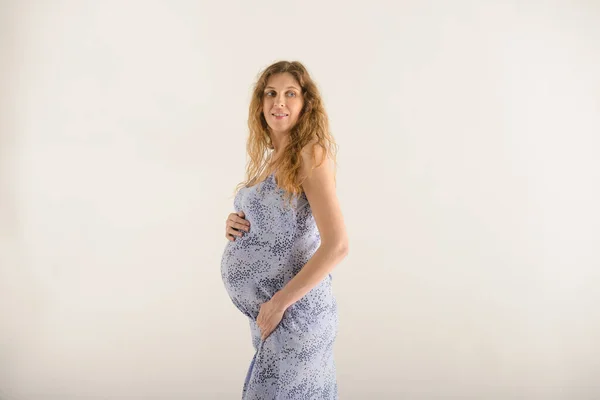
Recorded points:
(282, 95)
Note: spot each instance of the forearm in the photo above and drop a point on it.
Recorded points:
(314, 271)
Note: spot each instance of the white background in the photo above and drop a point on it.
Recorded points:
(468, 176)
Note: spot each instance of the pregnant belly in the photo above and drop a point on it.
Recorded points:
(257, 265)
(252, 269)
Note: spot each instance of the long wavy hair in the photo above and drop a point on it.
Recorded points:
(312, 126)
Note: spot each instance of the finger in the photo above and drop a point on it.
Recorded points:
(266, 334)
(244, 227)
(234, 232)
(236, 218)
(228, 235)
(242, 218)
(231, 217)
(242, 221)
(236, 222)
(267, 327)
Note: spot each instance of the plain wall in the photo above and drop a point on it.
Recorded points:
(468, 176)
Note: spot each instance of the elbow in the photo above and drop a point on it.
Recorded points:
(343, 248)
(337, 247)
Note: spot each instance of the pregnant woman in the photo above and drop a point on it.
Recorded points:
(285, 237)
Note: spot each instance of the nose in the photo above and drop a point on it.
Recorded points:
(280, 100)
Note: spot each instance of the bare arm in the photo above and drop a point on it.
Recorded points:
(319, 188)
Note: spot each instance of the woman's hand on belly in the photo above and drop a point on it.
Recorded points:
(235, 224)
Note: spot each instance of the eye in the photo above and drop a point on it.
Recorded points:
(268, 94)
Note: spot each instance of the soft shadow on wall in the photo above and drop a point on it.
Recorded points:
(21, 294)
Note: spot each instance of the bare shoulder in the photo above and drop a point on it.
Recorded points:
(319, 187)
(313, 157)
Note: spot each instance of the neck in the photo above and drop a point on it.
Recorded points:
(279, 141)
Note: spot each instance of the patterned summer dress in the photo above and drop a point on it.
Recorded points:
(296, 361)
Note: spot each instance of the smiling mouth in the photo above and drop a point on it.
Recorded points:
(280, 115)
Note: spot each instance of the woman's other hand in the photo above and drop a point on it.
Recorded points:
(269, 317)
(235, 224)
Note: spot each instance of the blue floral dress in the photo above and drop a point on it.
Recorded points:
(296, 361)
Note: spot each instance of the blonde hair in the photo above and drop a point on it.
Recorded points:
(312, 126)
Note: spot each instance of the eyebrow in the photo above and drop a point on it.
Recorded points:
(289, 87)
